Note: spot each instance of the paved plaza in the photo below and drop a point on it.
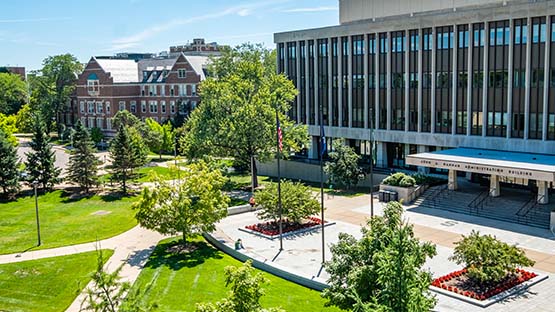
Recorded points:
(302, 253)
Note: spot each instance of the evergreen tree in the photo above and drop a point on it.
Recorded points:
(83, 164)
(9, 175)
(40, 161)
(128, 152)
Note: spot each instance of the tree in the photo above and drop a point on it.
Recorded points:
(24, 119)
(237, 116)
(41, 159)
(487, 259)
(8, 126)
(83, 164)
(245, 291)
(191, 206)
(14, 93)
(110, 294)
(127, 153)
(382, 270)
(61, 72)
(159, 137)
(343, 168)
(125, 118)
(297, 201)
(96, 135)
(9, 162)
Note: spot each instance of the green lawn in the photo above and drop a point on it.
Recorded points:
(144, 174)
(63, 221)
(181, 281)
(49, 284)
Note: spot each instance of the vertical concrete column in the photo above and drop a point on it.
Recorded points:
(469, 80)
(376, 80)
(381, 154)
(455, 79)
(388, 81)
(313, 150)
(486, 80)
(433, 93)
(452, 180)
(546, 72)
(511, 77)
(340, 81)
(527, 85)
(420, 40)
(330, 82)
(494, 190)
(307, 83)
(365, 71)
(407, 77)
(298, 82)
(316, 94)
(543, 193)
(350, 79)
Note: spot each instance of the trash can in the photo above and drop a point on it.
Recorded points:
(393, 196)
(381, 195)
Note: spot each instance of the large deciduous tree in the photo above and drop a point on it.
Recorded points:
(128, 152)
(83, 164)
(60, 72)
(41, 159)
(381, 271)
(237, 115)
(159, 138)
(8, 124)
(297, 201)
(191, 206)
(13, 93)
(9, 175)
(343, 168)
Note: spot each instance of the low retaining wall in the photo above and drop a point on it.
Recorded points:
(239, 209)
(406, 194)
(295, 170)
(264, 265)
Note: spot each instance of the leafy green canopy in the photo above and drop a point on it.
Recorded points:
(13, 93)
(9, 162)
(237, 115)
(128, 152)
(191, 206)
(343, 168)
(297, 201)
(382, 270)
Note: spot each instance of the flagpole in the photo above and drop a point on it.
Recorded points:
(322, 150)
(278, 139)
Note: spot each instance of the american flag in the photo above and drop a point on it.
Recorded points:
(280, 137)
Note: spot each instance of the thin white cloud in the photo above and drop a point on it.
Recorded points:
(311, 10)
(239, 10)
(33, 20)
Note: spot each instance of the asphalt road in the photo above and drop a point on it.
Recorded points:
(62, 157)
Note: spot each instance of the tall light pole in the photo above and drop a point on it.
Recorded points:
(35, 184)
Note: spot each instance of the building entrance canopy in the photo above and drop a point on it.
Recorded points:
(539, 167)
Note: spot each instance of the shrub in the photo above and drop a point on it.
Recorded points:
(407, 181)
(421, 179)
(395, 179)
(297, 201)
(487, 259)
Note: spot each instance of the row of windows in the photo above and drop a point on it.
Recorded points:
(180, 90)
(153, 107)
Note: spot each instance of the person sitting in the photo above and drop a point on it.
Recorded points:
(239, 244)
(252, 202)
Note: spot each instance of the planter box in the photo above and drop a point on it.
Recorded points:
(404, 194)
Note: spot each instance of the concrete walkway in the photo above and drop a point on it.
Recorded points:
(131, 249)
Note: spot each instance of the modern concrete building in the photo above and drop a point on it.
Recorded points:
(428, 75)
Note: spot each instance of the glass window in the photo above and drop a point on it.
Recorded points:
(499, 34)
(133, 107)
(181, 73)
(476, 38)
(524, 34)
(553, 31)
(542, 33)
(492, 36)
(535, 33)
(517, 34)
(507, 35)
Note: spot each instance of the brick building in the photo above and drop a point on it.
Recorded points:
(13, 70)
(198, 47)
(159, 88)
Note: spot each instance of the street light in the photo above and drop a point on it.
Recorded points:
(35, 184)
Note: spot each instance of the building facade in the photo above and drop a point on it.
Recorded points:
(157, 88)
(425, 75)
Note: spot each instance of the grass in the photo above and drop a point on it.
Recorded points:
(237, 202)
(178, 282)
(49, 284)
(64, 221)
(144, 174)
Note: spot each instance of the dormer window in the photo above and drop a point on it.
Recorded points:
(93, 85)
(145, 75)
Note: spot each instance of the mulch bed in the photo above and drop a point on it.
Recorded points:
(459, 282)
(272, 228)
(181, 249)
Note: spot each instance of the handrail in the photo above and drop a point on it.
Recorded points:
(478, 199)
(523, 211)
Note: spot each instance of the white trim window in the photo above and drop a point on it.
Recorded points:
(82, 107)
(93, 87)
(108, 107)
(152, 90)
(99, 107)
(194, 90)
(182, 90)
(109, 123)
(84, 121)
(133, 107)
(172, 107)
(181, 73)
(153, 107)
(193, 104)
(163, 106)
(99, 123)
(143, 106)
(163, 90)
(172, 91)
(91, 122)
(90, 105)
(121, 105)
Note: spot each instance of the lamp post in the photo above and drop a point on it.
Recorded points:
(35, 184)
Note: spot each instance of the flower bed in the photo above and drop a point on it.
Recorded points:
(459, 283)
(272, 228)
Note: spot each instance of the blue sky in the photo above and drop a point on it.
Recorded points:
(31, 30)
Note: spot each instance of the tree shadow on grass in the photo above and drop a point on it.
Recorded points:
(176, 261)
